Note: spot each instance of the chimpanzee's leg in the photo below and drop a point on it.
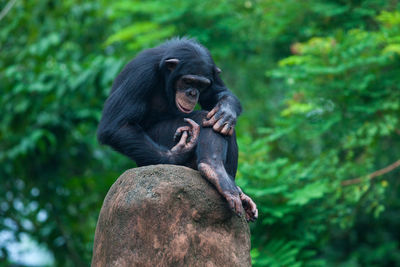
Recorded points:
(215, 157)
(211, 156)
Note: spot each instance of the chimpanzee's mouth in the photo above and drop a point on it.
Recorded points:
(185, 103)
(183, 109)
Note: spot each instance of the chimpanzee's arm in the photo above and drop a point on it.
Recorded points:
(132, 141)
(124, 109)
(224, 107)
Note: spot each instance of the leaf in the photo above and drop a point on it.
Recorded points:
(131, 32)
(307, 193)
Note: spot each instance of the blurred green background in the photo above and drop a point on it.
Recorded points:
(319, 138)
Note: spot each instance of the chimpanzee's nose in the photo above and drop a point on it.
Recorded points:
(191, 92)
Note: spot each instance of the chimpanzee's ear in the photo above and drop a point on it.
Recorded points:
(171, 63)
(218, 70)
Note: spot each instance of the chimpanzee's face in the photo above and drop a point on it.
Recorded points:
(192, 76)
(188, 89)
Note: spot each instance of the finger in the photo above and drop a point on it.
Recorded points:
(252, 205)
(253, 208)
(225, 129)
(183, 128)
(218, 125)
(184, 137)
(213, 119)
(253, 217)
(195, 131)
(212, 112)
(236, 208)
(179, 131)
(232, 204)
(253, 214)
(223, 119)
(209, 122)
(231, 130)
(239, 207)
(193, 124)
(248, 218)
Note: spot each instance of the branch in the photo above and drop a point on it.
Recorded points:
(373, 175)
(7, 8)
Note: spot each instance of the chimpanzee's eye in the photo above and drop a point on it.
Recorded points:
(203, 86)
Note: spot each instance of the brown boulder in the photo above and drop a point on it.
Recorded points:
(166, 215)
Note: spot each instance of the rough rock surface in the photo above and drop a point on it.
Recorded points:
(166, 215)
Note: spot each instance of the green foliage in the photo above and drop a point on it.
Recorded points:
(339, 120)
(319, 81)
(54, 81)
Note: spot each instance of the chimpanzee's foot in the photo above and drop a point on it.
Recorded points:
(250, 207)
(224, 185)
(234, 202)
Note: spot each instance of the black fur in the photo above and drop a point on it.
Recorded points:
(142, 100)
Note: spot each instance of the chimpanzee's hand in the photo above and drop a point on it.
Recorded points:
(188, 137)
(222, 118)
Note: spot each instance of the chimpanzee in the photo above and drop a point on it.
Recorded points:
(149, 116)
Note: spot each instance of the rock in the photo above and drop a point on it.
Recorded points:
(167, 215)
